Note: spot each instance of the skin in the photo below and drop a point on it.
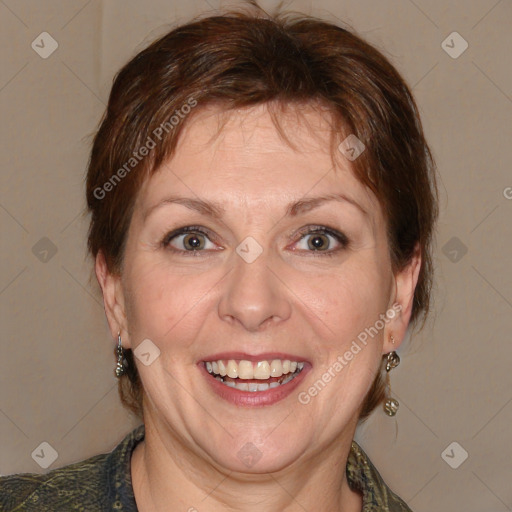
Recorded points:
(290, 299)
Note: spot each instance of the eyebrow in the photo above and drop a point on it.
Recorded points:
(216, 211)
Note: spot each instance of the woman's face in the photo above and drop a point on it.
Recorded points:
(266, 273)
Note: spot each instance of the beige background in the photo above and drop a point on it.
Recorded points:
(454, 383)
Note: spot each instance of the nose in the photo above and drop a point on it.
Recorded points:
(254, 296)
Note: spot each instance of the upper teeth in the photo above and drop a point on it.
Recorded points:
(248, 370)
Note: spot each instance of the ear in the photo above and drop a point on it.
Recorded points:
(405, 284)
(113, 299)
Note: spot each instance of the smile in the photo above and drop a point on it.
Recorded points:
(246, 375)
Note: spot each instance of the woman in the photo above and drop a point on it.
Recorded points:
(262, 207)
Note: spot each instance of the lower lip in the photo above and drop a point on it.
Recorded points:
(254, 398)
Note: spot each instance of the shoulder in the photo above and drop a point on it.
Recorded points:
(60, 489)
(102, 482)
(363, 476)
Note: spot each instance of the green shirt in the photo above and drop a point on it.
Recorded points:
(104, 483)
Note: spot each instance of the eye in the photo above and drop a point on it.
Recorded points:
(320, 239)
(189, 239)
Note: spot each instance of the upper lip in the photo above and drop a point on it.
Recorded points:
(264, 356)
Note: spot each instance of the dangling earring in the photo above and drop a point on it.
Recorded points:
(391, 405)
(120, 369)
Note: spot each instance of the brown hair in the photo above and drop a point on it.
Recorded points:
(244, 58)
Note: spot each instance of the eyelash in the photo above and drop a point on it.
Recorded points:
(340, 237)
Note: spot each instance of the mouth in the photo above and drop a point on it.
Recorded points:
(255, 376)
(246, 380)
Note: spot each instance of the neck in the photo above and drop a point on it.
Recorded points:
(168, 476)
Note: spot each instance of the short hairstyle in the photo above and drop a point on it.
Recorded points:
(245, 58)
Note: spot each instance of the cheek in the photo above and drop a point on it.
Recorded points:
(166, 304)
(158, 300)
(350, 299)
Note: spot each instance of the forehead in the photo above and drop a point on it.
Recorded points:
(289, 130)
(241, 156)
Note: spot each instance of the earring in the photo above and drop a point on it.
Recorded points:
(120, 369)
(393, 360)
